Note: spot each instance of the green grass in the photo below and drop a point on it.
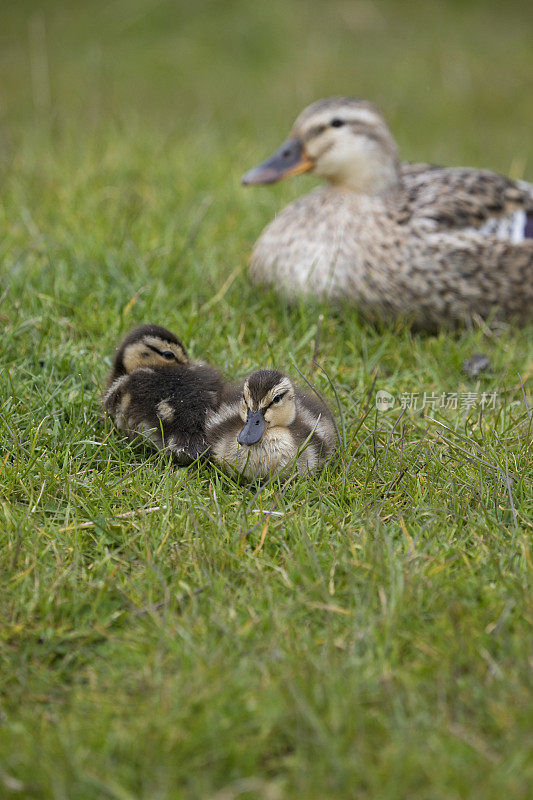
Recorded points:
(162, 635)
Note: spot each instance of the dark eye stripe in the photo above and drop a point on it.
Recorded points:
(159, 353)
(280, 395)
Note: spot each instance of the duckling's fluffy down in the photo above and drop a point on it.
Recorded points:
(166, 405)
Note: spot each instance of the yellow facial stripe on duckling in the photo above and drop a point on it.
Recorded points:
(152, 351)
(281, 414)
(247, 397)
(275, 394)
(278, 405)
(165, 348)
(260, 397)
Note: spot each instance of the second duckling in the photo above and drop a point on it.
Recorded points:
(154, 391)
(271, 424)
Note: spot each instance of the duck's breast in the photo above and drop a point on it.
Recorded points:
(317, 244)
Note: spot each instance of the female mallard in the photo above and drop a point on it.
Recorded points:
(154, 391)
(429, 244)
(269, 425)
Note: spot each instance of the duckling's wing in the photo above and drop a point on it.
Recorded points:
(167, 406)
(470, 200)
(317, 422)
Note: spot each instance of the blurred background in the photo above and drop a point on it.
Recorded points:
(126, 125)
(453, 78)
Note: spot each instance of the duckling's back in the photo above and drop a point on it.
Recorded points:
(167, 406)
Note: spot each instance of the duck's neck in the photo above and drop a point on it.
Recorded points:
(369, 178)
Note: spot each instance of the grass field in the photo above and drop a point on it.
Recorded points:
(162, 635)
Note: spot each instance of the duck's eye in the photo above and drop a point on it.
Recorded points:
(278, 398)
(168, 354)
(337, 123)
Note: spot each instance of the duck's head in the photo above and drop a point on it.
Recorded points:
(342, 139)
(267, 402)
(149, 346)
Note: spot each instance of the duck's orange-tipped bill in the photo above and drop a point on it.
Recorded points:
(289, 160)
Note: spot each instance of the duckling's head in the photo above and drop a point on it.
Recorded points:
(267, 402)
(342, 139)
(149, 346)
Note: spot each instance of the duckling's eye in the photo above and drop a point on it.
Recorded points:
(168, 354)
(278, 398)
(337, 123)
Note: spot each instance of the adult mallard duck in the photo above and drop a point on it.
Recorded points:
(269, 425)
(430, 244)
(155, 392)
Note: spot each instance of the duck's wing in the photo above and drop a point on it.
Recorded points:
(470, 200)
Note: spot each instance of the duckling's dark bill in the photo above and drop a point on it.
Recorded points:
(289, 160)
(254, 428)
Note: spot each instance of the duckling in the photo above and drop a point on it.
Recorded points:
(268, 425)
(154, 391)
(434, 245)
